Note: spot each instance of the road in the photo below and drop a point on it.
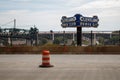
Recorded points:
(66, 67)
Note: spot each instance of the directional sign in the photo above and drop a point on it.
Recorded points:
(79, 21)
(70, 19)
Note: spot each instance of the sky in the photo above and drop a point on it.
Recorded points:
(46, 14)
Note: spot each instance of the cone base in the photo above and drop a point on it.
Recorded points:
(46, 66)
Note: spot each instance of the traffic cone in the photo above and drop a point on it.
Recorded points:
(45, 59)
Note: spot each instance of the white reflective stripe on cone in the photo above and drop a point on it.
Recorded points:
(45, 61)
(47, 51)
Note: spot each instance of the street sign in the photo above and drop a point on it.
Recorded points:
(79, 21)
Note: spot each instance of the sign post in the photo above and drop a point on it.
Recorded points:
(79, 36)
(79, 21)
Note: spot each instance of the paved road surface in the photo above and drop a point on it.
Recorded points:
(67, 67)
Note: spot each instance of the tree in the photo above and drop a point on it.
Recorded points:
(101, 40)
(43, 41)
(56, 41)
(1, 30)
(33, 32)
(114, 40)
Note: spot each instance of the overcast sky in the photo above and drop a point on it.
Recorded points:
(46, 14)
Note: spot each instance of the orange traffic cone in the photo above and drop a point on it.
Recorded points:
(45, 59)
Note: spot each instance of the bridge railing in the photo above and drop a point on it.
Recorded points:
(89, 38)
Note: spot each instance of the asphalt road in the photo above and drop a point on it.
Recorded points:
(66, 67)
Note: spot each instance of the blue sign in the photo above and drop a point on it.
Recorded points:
(79, 21)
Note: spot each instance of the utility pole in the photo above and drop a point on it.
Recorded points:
(14, 23)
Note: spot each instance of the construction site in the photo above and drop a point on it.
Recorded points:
(55, 55)
(30, 54)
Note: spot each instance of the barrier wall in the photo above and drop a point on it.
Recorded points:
(61, 50)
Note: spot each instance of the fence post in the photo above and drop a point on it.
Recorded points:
(94, 39)
(119, 37)
(64, 37)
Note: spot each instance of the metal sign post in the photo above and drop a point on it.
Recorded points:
(79, 36)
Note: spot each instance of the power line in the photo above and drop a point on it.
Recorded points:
(7, 23)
